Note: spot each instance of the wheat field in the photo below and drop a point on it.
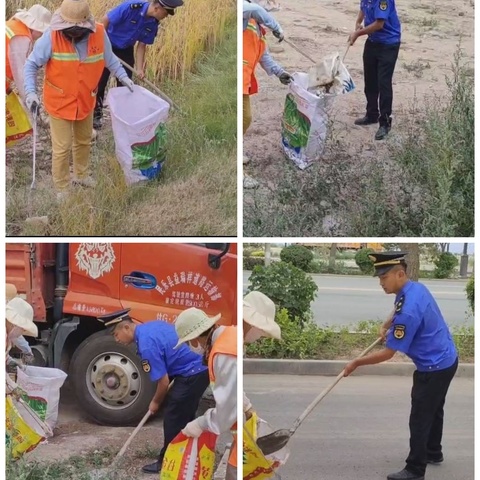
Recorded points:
(197, 26)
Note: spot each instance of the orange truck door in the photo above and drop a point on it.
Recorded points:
(158, 281)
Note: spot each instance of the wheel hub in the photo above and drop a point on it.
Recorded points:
(113, 380)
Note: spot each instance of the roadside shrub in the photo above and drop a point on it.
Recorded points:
(317, 266)
(445, 264)
(363, 261)
(249, 263)
(287, 286)
(298, 255)
(470, 289)
(257, 253)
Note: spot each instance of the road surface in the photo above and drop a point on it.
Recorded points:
(360, 430)
(344, 300)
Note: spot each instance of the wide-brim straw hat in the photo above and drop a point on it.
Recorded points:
(191, 323)
(20, 313)
(259, 312)
(37, 18)
(73, 13)
(10, 291)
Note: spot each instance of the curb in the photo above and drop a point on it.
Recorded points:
(253, 366)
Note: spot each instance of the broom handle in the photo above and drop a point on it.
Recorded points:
(299, 50)
(345, 54)
(324, 393)
(152, 86)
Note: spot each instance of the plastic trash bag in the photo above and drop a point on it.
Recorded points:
(42, 385)
(138, 122)
(330, 76)
(189, 458)
(257, 466)
(305, 120)
(17, 122)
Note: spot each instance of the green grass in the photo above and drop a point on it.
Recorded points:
(196, 194)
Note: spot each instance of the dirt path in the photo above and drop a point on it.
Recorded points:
(431, 33)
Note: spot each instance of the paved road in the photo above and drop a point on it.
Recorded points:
(344, 300)
(360, 430)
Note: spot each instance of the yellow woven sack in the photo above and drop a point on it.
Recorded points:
(17, 123)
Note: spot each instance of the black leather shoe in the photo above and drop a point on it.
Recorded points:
(365, 121)
(405, 475)
(382, 132)
(152, 468)
(435, 460)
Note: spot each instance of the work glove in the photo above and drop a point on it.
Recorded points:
(32, 101)
(128, 82)
(28, 358)
(285, 78)
(278, 34)
(193, 429)
(16, 362)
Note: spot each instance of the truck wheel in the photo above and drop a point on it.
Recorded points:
(109, 381)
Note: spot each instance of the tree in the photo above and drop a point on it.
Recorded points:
(464, 261)
(445, 247)
(333, 255)
(412, 259)
(268, 254)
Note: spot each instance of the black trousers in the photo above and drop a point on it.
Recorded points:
(181, 405)
(379, 62)
(128, 56)
(426, 416)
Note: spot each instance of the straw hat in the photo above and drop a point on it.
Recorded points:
(20, 313)
(37, 18)
(191, 323)
(259, 312)
(10, 291)
(76, 13)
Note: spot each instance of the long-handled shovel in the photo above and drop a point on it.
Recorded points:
(277, 440)
(153, 87)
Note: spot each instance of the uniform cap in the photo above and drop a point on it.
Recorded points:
(191, 323)
(259, 312)
(37, 18)
(20, 313)
(10, 291)
(170, 5)
(385, 261)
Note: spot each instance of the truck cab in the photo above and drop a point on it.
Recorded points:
(71, 285)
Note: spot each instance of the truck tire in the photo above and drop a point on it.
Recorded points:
(109, 382)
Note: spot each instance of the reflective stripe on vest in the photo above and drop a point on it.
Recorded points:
(67, 99)
(254, 46)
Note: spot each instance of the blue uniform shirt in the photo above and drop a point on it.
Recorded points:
(128, 24)
(419, 330)
(382, 10)
(155, 341)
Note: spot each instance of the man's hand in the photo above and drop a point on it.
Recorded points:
(140, 73)
(192, 429)
(352, 38)
(285, 78)
(358, 26)
(154, 406)
(278, 34)
(350, 368)
(249, 413)
(128, 82)
(32, 101)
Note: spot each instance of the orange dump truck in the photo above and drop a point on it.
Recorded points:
(70, 285)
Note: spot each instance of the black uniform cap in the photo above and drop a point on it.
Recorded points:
(170, 5)
(115, 317)
(385, 261)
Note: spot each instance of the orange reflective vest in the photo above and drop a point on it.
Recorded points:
(70, 85)
(13, 28)
(254, 45)
(225, 344)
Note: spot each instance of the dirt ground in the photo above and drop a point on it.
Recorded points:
(431, 33)
(76, 435)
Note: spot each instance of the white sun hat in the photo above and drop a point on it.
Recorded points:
(20, 313)
(191, 323)
(37, 18)
(10, 291)
(259, 312)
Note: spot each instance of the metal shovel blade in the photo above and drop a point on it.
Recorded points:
(275, 441)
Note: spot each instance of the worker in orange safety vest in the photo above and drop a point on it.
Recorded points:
(218, 345)
(75, 50)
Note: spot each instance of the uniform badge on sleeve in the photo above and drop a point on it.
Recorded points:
(399, 331)
(146, 366)
(383, 5)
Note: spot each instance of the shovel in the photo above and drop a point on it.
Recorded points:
(277, 440)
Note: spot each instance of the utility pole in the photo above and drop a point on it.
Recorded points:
(464, 262)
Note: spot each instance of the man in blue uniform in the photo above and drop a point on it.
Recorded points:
(380, 54)
(132, 22)
(417, 329)
(155, 342)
